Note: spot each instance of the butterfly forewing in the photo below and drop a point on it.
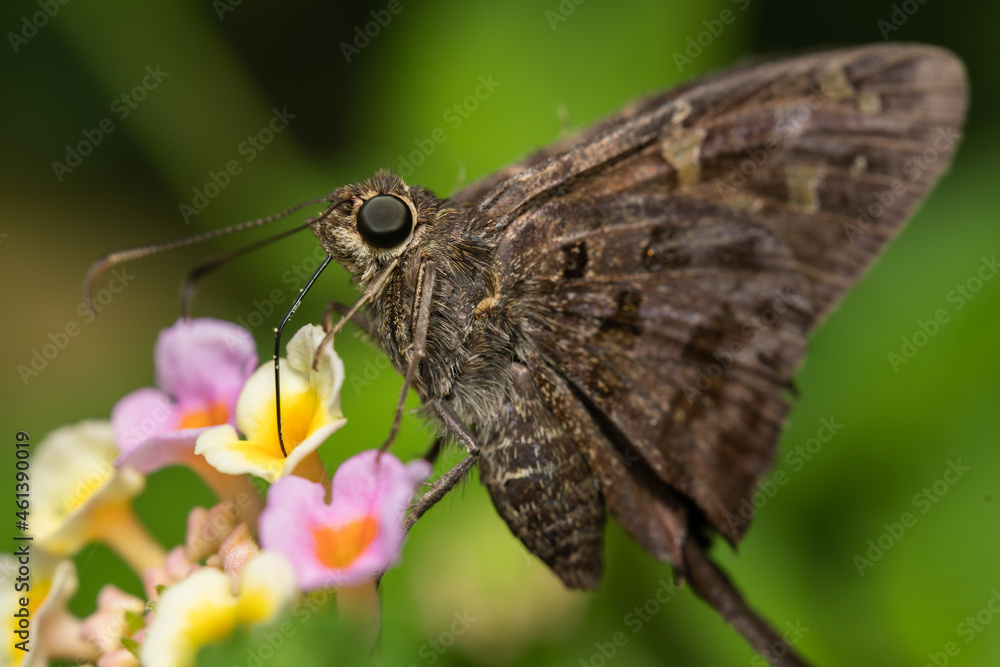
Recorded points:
(666, 267)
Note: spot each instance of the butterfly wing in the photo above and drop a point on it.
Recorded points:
(667, 266)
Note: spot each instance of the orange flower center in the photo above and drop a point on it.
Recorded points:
(339, 547)
(211, 415)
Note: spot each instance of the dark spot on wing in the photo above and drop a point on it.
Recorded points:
(665, 258)
(603, 381)
(575, 260)
(742, 255)
(708, 338)
(661, 251)
(623, 326)
(704, 341)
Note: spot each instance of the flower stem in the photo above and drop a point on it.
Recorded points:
(64, 638)
(236, 488)
(360, 605)
(312, 468)
(118, 527)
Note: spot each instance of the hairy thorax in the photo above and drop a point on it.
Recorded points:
(469, 350)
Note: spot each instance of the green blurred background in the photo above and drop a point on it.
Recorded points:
(228, 65)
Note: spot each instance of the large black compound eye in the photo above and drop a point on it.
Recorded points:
(385, 221)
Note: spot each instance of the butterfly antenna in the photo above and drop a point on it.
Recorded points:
(121, 256)
(277, 349)
(190, 285)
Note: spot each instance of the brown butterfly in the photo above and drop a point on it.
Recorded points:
(612, 325)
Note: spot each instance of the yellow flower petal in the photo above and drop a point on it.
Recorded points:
(80, 481)
(310, 412)
(268, 583)
(202, 609)
(53, 632)
(192, 613)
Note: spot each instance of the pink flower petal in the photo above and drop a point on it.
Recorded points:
(107, 625)
(172, 448)
(294, 504)
(141, 415)
(119, 658)
(201, 366)
(204, 361)
(176, 568)
(145, 425)
(367, 481)
(370, 492)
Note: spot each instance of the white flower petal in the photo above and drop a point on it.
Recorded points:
(224, 451)
(328, 377)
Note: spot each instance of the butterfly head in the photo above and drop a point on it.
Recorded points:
(371, 222)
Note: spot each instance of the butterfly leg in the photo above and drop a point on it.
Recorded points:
(712, 585)
(358, 319)
(418, 347)
(372, 289)
(447, 481)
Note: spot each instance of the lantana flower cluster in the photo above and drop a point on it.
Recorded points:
(244, 561)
